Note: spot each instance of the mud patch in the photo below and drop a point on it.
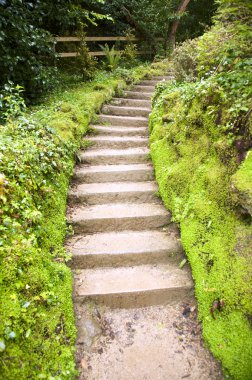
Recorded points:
(155, 343)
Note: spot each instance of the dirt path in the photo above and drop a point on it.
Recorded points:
(134, 306)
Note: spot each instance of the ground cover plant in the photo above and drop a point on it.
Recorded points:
(201, 148)
(38, 150)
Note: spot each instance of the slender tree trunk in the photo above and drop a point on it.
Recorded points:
(182, 7)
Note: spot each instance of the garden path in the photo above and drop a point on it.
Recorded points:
(134, 306)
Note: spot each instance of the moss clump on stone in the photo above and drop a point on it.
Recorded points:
(242, 184)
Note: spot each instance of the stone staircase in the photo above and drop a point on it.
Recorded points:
(126, 251)
(134, 307)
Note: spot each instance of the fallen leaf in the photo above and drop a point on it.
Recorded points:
(84, 364)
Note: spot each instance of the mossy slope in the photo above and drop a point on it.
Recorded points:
(195, 159)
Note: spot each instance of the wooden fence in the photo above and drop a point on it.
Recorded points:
(94, 39)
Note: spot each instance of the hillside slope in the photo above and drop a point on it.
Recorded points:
(200, 141)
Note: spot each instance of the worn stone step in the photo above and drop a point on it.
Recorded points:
(138, 95)
(144, 89)
(126, 111)
(115, 156)
(138, 286)
(131, 121)
(114, 173)
(118, 141)
(121, 131)
(125, 248)
(116, 192)
(118, 217)
(150, 82)
(163, 77)
(131, 102)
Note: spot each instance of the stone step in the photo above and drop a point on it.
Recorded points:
(163, 77)
(138, 95)
(118, 141)
(116, 192)
(150, 82)
(118, 217)
(114, 173)
(115, 156)
(127, 248)
(138, 286)
(144, 89)
(131, 121)
(126, 111)
(121, 131)
(131, 102)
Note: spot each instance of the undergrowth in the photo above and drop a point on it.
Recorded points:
(200, 133)
(37, 155)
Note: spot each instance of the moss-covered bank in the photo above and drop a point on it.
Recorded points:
(196, 186)
(37, 155)
(200, 132)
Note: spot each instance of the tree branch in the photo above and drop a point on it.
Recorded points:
(181, 9)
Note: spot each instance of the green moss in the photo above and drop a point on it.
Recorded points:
(242, 182)
(225, 333)
(195, 184)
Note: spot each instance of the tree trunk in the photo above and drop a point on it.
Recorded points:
(182, 7)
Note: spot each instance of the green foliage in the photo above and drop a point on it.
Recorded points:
(28, 57)
(24, 45)
(197, 19)
(113, 57)
(12, 103)
(85, 63)
(200, 132)
(228, 42)
(152, 19)
(184, 59)
(34, 285)
(129, 54)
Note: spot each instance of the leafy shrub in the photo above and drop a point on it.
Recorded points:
(113, 57)
(184, 59)
(11, 102)
(34, 163)
(26, 27)
(129, 54)
(85, 63)
(229, 41)
(28, 49)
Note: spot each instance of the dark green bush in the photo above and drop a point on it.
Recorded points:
(27, 48)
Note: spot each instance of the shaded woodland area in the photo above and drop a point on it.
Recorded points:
(200, 142)
(28, 28)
